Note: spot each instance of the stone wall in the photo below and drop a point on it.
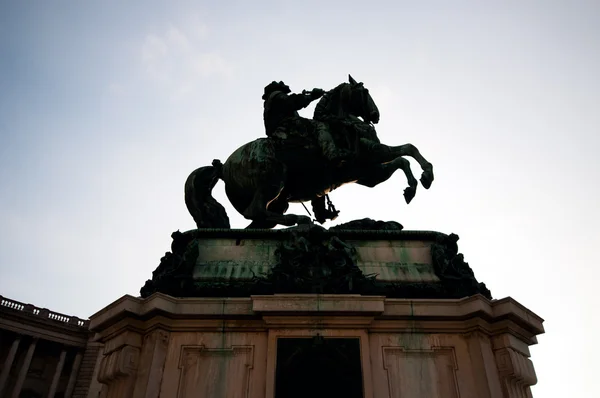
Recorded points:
(168, 347)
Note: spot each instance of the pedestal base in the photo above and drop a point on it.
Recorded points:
(209, 347)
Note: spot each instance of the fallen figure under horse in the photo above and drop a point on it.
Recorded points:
(263, 176)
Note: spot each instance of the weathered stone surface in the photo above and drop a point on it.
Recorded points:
(237, 263)
(470, 347)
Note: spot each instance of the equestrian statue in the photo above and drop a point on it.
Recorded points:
(302, 159)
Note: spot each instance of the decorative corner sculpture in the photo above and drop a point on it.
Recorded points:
(302, 160)
(314, 260)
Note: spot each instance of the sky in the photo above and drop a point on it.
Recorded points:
(106, 107)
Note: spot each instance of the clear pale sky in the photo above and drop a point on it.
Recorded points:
(105, 108)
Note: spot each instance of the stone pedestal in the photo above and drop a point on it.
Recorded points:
(162, 346)
(374, 312)
(241, 263)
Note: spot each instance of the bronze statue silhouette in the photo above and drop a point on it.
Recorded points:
(263, 176)
(281, 119)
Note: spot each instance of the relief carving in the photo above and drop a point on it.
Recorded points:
(516, 373)
(163, 337)
(208, 372)
(119, 364)
(421, 373)
(157, 336)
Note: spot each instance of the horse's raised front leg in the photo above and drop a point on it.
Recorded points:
(389, 153)
(412, 151)
(381, 172)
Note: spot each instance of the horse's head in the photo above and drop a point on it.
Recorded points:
(360, 103)
(348, 99)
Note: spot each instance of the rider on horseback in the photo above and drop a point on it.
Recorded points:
(281, 117)
(262, 177)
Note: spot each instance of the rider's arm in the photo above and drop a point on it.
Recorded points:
(298, 101)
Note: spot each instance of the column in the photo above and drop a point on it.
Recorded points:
(24, 368)
(74, 372)
(57, 372)
(8, 363)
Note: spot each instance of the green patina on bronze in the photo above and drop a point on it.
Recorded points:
(312, 260)
(303, 160)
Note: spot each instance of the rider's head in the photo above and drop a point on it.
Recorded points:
(275, 86)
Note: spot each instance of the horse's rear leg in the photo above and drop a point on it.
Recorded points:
(380, 173)
(266, 210)
(322, 213)
(277, 206)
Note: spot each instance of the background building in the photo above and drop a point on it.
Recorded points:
(45, 354)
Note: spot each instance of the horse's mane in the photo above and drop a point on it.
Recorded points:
(331, 98)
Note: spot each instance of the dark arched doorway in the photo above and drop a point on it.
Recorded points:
(318, 368)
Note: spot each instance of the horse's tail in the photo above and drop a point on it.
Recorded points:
(206, 211)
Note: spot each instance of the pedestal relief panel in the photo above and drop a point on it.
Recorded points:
(421, 373)
(215, 372)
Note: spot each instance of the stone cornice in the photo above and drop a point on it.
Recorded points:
(475, 313)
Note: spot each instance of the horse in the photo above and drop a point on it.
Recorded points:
(263, 176)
